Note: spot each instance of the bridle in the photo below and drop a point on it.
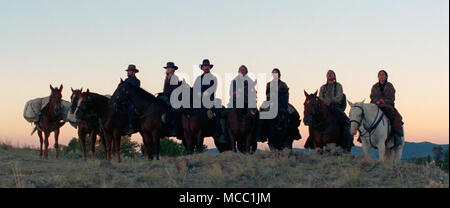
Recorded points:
(74, 101)
(114, 102)
(313, 115)
(363, 117)
(82, 109)
(57, 111)
(372, 126)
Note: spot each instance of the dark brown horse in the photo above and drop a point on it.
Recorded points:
(241, 127)
(50, 120)
(87, 125)
(324, 128)
(196, 126)
(149, 110)
(111, 123)
(282, 130)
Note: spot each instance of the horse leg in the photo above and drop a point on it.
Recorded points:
(150, 146)
(93, 136)
(388, 153)
(145, 144)
(398, 153)
(232, 140)
(248, 143)
(255, 146)
(240, 146)
(46, 135)
(381, 151)
(108, 141)
(155, 141)
(200, 139)
(317, 147)
(102, 139)
(117, 145)
(188, 143)
(144, 141)
(56, 132)
(366, 148)
(41, 140)
(82, 137)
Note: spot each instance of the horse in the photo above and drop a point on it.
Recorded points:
(374, 129)
(197, 125)
(241, 129)
(111, 122)
(50, 120)
(149, 110)
(282, 130)
(88, 124)
(324, 129)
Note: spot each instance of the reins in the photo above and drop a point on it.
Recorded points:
(372, 126)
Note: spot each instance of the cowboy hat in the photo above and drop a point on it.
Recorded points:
(206, 63)
(170, 65)
(132, 67)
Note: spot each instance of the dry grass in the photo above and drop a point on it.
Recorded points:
(23, 168)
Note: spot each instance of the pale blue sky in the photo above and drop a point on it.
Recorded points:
(90, 42)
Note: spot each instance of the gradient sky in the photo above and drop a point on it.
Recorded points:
(89, 43)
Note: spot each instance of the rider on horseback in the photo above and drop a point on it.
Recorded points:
(131, 73)
(331, 93)
(209, 89)
(171, 116)
(283, 91)
(247, 90)
(242, 91)
(383, 95)
(283, 97)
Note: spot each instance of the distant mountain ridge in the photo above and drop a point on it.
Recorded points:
(410, 150)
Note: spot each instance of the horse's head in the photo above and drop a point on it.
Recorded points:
(84, 104)
(55, 99)
(311, 108)
(120, 95)
(356, 116)
(74, 99)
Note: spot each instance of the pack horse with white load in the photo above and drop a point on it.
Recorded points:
(48, 114)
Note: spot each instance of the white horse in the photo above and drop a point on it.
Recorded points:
(374, 129)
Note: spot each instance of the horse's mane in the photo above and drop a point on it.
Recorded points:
(371, 106)
(143, 93)
(98, 96)
(362, 104)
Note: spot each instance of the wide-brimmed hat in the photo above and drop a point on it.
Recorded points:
(206, 63)
(170, 65)
(132, 67)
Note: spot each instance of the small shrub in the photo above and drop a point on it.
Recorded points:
(128, 148)
(5, 146)
(168, 148)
